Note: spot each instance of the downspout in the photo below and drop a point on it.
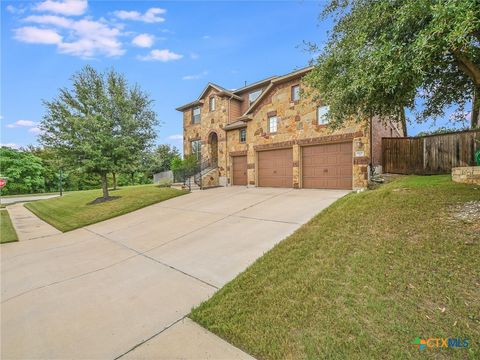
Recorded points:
(227, 165)
(371, 146)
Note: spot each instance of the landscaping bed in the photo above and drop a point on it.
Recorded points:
(363, 279)
(77, 209)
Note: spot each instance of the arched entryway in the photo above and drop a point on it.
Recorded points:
(213, 147)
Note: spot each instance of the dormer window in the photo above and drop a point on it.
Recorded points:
(295, 93)
(196, 115)
(253, 96)
(211, 103)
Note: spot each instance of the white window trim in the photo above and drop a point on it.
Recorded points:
(270, 124)
(244, 130)
(211, 101)
(292, 92)
(321, 119)
(199, 115)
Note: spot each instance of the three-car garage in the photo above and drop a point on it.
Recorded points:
(322, 166)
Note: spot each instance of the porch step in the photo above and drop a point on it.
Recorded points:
(182, 186)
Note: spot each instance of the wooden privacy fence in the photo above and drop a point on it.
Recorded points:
(431, 154)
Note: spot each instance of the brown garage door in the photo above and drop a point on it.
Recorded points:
(275, 168)
(327, 166)
(239, 170)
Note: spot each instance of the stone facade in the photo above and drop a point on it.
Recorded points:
(297, 127)
(466, 174)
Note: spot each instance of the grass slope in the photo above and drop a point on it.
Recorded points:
(73, 209)
(7, 232)
(361, 280)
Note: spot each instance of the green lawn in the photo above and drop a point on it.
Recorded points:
(73, 209)
(362, 280)
(7, 232)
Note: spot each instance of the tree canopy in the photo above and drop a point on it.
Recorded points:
(23, 170)
(161, 157)
(383, 56)
(102, 125)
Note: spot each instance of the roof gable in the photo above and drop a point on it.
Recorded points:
(277, 80)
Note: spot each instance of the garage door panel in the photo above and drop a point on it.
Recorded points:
(275, 168)
(327, 166)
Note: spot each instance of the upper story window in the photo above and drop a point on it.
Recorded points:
(196, 148)
(211, 103)
(295, 93)
(253, 96)
(272, 124)
(322, 112)
(196, 115)
(243, 135)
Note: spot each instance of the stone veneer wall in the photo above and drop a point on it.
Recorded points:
(466, 174)
(210, 122)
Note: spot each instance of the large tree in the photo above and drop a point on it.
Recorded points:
(383, 56)
(23, 170)
(102, 125)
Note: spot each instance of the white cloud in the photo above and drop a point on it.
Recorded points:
(87, 37)
(143, 40)
(14, 10)
(195, 76)
(93, 37)
(34, 35)
(150, 16)
(161, 55)
(35, 130)
(22, 123)
(55, 20)
(64, 7)
(175, 137)
(10, 145)
(194, 56)
(206, 37)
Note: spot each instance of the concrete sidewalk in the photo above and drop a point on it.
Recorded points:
(123, 287)
(27, 225)
(18, 199)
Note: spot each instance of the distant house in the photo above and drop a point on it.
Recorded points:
(269, 134)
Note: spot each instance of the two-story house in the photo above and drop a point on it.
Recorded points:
(269, 134)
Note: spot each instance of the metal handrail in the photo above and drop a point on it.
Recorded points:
(196, 173)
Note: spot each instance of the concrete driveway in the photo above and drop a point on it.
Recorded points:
(122, 287)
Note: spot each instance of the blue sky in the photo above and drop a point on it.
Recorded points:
(172, 49)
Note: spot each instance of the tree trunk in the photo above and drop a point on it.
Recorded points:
(132, 177)
(114, 177)
(475, 119)
(105, 185)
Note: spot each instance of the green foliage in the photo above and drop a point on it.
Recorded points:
(383, 55)
(165, 183)
(101, 125)
(440, 130)
(183, 169)
(161, 157)
(23, 170)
